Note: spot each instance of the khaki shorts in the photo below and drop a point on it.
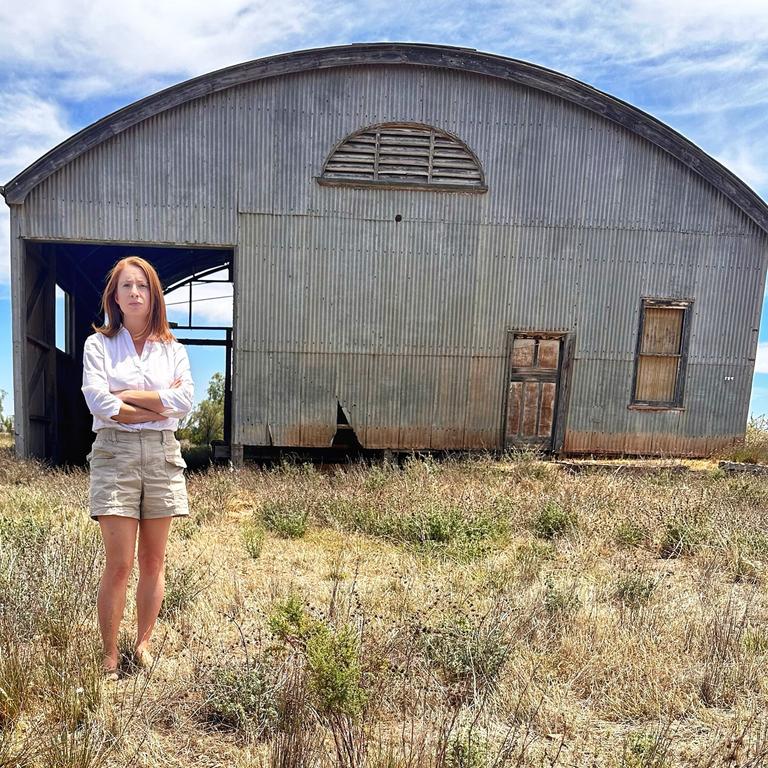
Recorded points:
(137, 474)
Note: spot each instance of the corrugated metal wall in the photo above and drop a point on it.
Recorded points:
(405, 323)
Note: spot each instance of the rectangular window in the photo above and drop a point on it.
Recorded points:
(662, 351)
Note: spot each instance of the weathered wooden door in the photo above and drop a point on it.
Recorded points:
(39, 352)
(534, 383)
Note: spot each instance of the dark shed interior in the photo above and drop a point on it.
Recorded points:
(59, 419)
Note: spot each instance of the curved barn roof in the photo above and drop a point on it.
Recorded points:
(368, 54)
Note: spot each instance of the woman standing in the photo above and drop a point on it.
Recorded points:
(137, 384)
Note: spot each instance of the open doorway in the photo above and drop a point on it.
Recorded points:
(200, 312)
(60, 299)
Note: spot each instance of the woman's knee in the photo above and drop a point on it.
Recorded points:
(118, 569)
(151, 564)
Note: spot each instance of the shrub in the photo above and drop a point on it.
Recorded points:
(333, 660)
(241, 698)
(629, 534)
(530, 556)
(468, 656)
(289, 620)
(560, 604)
(754, 448)
(459, 532)
(755, 642)
(680, 537)
(253, 538)
(645, 750)
(467, 748)
(286, 518)
(23, 531)
(185, 528)
(553, 520)
(634, 589)
(184, 581)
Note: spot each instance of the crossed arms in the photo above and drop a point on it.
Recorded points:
(140, 406)
(131, 406)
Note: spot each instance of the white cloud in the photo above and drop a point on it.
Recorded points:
(29, 127)
(743, 162)
(99, 45)
(687, 23)
(211, 304)
(761, 362)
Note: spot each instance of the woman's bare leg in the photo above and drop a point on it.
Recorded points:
(119, 535)
(153, 538)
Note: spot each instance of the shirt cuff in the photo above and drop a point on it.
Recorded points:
(167, 399)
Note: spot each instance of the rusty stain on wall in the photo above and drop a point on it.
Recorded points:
(647, 444)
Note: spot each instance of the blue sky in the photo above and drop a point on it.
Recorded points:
(701, 66)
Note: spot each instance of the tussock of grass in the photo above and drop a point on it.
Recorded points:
(754, 448)
(467, 612)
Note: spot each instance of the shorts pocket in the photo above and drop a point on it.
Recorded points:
(173, 456)
(104, 463)
(98, 452)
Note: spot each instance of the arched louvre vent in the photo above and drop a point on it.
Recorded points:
(404, 155)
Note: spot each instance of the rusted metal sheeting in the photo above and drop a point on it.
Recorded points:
(647, 444)
(391, 401)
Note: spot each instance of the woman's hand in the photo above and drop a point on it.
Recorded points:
(131, 414)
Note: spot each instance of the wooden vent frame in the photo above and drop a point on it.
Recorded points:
(404, 155)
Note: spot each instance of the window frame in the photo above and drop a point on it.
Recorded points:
(677, 402)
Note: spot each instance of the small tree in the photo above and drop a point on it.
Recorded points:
(206, 422)
(6, 422)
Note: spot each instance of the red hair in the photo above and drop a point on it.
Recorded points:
(157, 323)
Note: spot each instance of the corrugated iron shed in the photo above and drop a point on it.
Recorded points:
(399, 305)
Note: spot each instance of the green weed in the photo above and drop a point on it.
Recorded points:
(333, 661)
(252, 534)
(286, 518)
(467, 748)
(634, 590)
(184, 582)
(554, 520)
(467, 655)
(630, 534)
(680, 537)
(241, 698)
(290, 621)
(645, 750)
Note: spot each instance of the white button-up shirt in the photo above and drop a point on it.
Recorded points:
(112, 365)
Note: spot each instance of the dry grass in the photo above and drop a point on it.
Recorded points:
(461, 613)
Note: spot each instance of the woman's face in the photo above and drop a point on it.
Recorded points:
(132, 294)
